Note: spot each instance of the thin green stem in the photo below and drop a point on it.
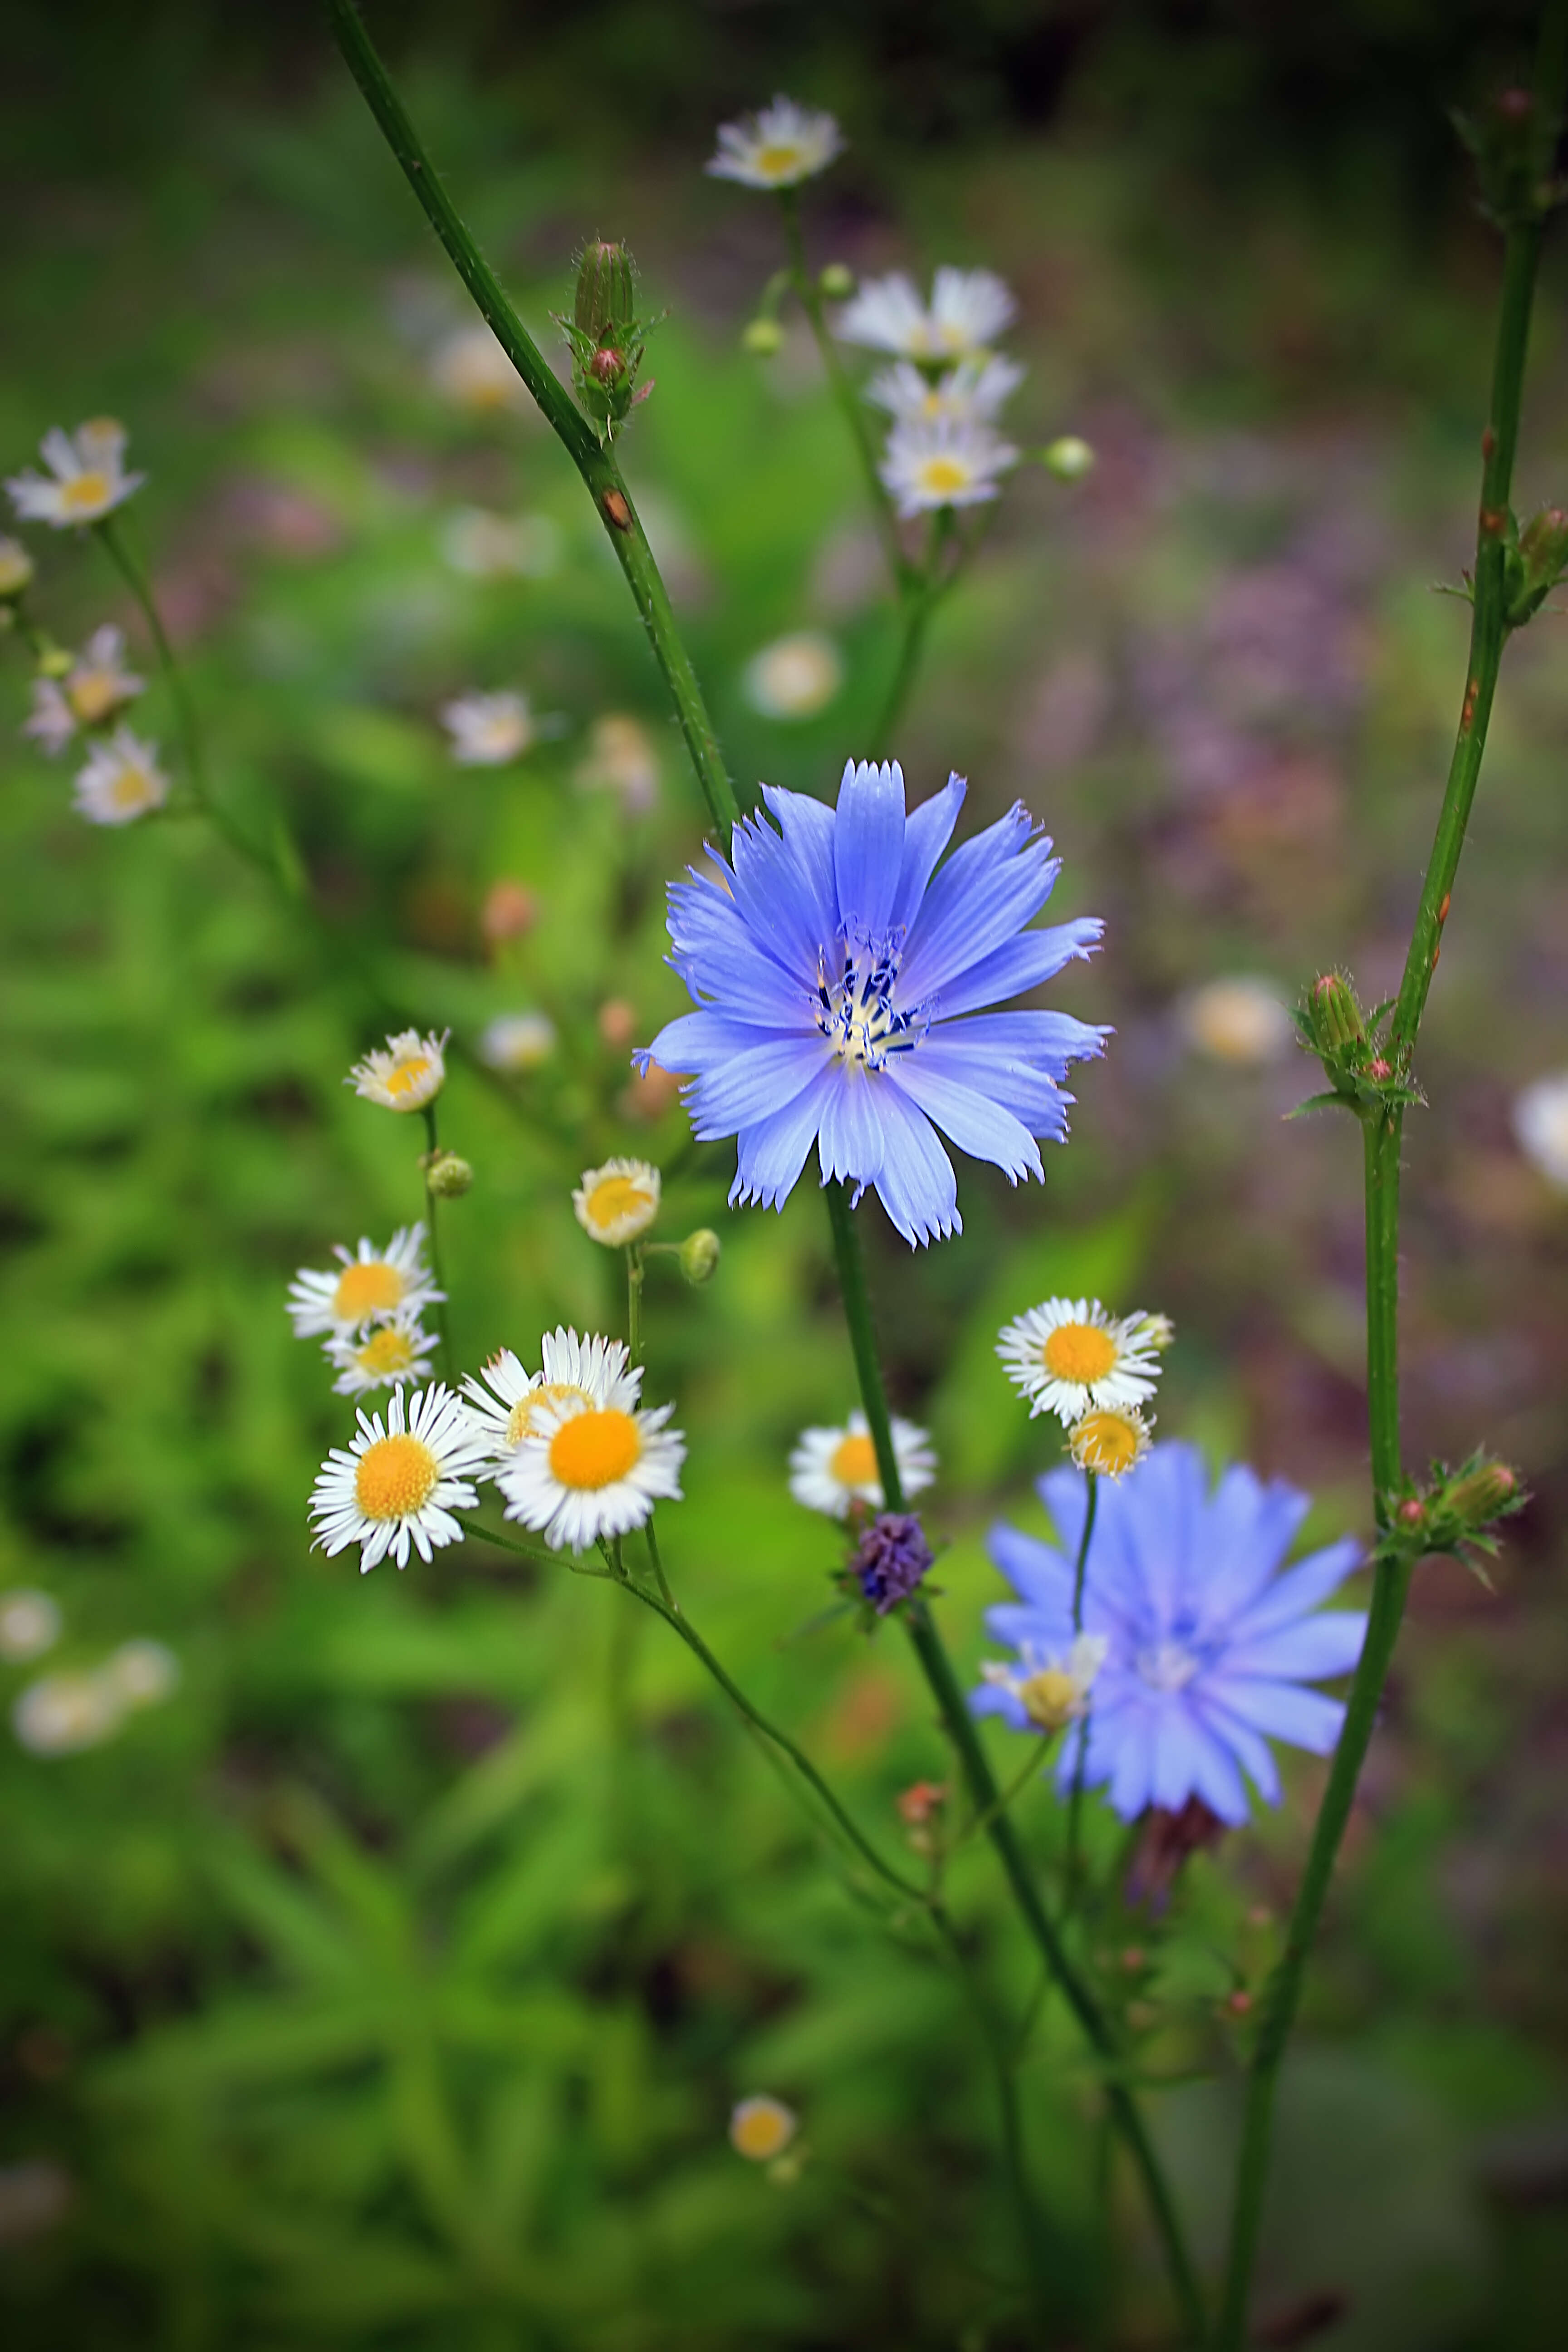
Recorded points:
(657, 1564)
(633, 1300)
(595, 463)
(1032, 1763)
(851, 406)
(482, 1534)
(1382, 1138)
(937, 1667)
(1080, 1760)
(922, 593)
(448, 1362)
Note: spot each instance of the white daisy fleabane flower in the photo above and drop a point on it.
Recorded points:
(396, 1486)
(404, 1074)
(969, 309)
(795, 677)
(120, 781)
(945, 462)
(1240, 1019)
(471, 370)
(1069, 1355)
(489, 730)
(390, 1352)
(586, 1470)
(61, 1713)
(364, 1289)
(95, 689)
(506, 1398)
(52, 722)
(616, 1203)
(141, 1673)
(778, 147)
(515, 1042)
(87, 477)
(971, 393)
(1052, 1687)
(1111, 1439)
(831, 1470)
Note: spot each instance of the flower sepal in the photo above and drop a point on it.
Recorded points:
(1533, 564)
(1364, 1075)
(1454, 1512)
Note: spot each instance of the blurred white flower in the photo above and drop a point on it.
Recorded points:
(945, 462)
(120, 781)
(489, 730)
(795, 677)
(486, 546)
(469, 368)
(971, 393)
(404, 1074)
(517, 1041)
(29, 1624)
(141, 1673)
(61, 1714)
(1240, 1020)
(620, 758)
(762, 2128)
(777, 148)
(969, 309)
(1541, 1125)
(87, 477)
(95, 689)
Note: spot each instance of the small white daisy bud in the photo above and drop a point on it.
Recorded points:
(1068, 458)
(1109, 1441)
(836, 281)
(762, 338)
(404, 1074)
(447, 1177)
(616, 1203)
(699, 1255)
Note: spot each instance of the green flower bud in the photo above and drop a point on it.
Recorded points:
(605, 303)
(1335, 1014)
(1483, 1491)
(762, 338)
(15, 567)
(1068, 458)
(837, 282)
(700, 1254)
(54, 662)
(447, 1176)
(1535, 566)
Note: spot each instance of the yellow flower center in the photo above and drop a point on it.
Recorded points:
(854, 1461)
(84, 493)
(370, 1286)
(386, 1351)
(131, 788)
(761, 2129)
(1080, 1352)
(93, 696)
(395, 1476)
(1105, 1442)
(404, 1076)
(594, 1449)
(1050, 1698)
(777, 159)
(615, 1197)
(945, 475)
(519, 1421)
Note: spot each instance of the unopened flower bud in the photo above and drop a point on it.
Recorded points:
(54, 662)
(837, 281)
(1482, 1491)
(1068, 458)
(1536, 566)
(1412, 1513)
(606, 364)
(606, 290)
(1336, 1015)
(762, 338)
(446, 1175)
(699, 1255)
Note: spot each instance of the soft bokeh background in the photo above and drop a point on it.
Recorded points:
(390, 1984)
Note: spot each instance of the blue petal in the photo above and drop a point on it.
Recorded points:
(1041, 1041)
(1252, 1753)
(1065, 1494)
(1035, 1100)
(1249, 1525)
(869, 846)
(983, 895)
(807, 827)
(694, 1043)
(777, 881)
(926, 835)
(771, 1153)
(995, 1698)
(976, 1125)
(754, 1085)
(916, 1184)
(1034, 1571)
(1304, 1651)
(1304, 1717)
(1211, 1771)
(850, 1141)
(1024, 963)
(718, 957)
(1299, 1590)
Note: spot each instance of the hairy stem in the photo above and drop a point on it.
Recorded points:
(595, 464)
(449, 1364)
(938, 1668)
(1383, 1133)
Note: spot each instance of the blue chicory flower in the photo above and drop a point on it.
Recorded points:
(1208, 1645)
(833, 975)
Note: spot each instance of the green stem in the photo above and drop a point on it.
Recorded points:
(666, 1595)
(1032, 1763)
(448, 1365)
(482, 1534)
(922, 592)
(595, 464)
(931, 1653)
(851, 406)
(1381, 1137)
(633, 1300)
(1080, 1761)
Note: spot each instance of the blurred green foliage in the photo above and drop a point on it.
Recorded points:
(391, 1985)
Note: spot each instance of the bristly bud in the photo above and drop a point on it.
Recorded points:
(605, 303)
(762, 338)
(1514, 145)
(699, 1255)
(1535, 565)
(1483, 1491)
(1336, 1016)
(836, 282)
(447, 1176)
(1068, 458)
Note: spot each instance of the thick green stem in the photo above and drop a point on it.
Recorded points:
(596, 465)
(448, 1362)
(1383, 1134)
(938, 1668)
